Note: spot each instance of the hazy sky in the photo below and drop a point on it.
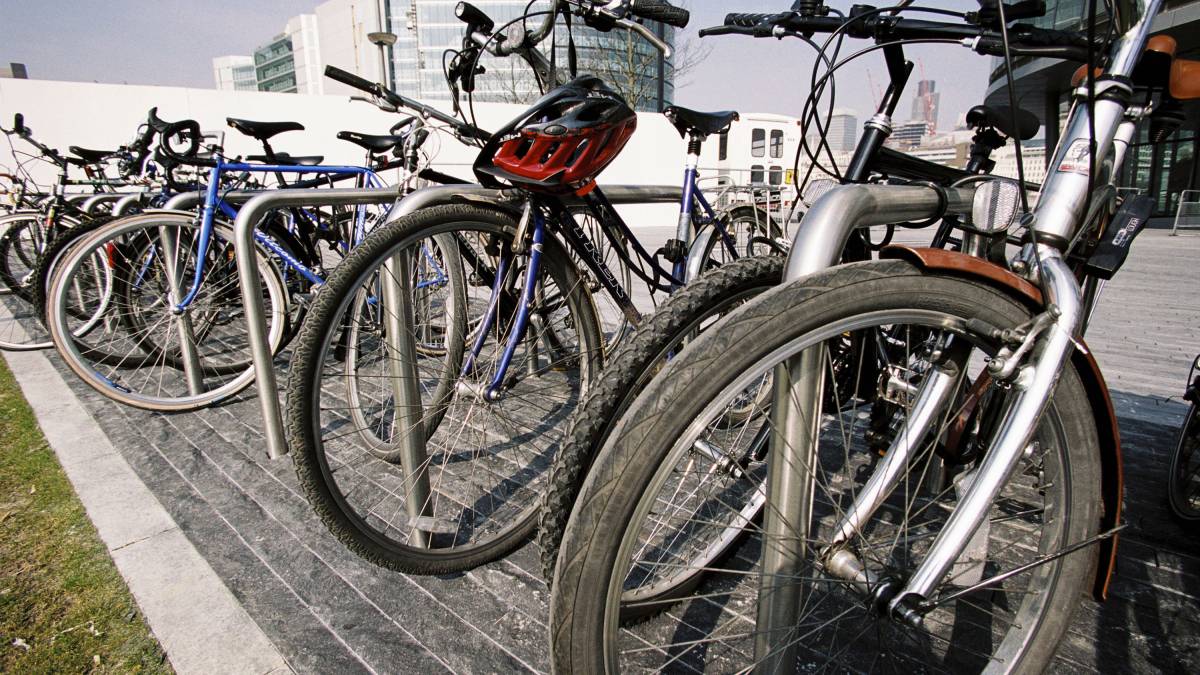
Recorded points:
(172, 42)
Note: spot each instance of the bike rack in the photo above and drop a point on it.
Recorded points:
(127, 202)
(253, 212)
(89, 205)
(818, 245)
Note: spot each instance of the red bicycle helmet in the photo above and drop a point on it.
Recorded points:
(563, 141)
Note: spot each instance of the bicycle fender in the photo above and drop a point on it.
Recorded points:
(1111, 468)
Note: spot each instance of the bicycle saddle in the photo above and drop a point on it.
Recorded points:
(263, 130)
(375, 144)
(1023, 125)
(89, 156)
(284, 158)
(699, 123)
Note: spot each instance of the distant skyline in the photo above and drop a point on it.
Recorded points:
(173, 42)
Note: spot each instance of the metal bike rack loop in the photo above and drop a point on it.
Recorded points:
(253, 212)
(127, 202)
(91, 203)
(818, 245)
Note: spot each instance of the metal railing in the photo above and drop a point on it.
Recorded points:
(1187, 215)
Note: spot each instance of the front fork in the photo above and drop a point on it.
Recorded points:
(494, 388)
(790, 480)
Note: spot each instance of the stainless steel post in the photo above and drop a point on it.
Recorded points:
(91, 203)
(259, 204)
(183, 320)
(396, 283)
(127, 202)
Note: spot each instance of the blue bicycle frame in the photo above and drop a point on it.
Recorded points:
(212, 202)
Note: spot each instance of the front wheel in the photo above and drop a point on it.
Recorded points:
(675, 474)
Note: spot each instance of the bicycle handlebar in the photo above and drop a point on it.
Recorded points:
(1024, 40)
(398, 100)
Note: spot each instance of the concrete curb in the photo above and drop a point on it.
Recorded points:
(200, 624)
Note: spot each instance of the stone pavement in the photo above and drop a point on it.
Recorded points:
(326, 610)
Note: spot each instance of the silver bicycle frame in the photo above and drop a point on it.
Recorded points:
(1059, 213)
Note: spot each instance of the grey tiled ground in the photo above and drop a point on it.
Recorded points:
(328, 611)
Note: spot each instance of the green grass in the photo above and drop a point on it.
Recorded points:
(63, 606)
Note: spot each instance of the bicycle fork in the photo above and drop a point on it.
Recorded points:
(493, 390)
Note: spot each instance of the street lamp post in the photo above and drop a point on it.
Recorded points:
(383, 40)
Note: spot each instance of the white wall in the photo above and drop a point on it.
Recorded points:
(104, 116)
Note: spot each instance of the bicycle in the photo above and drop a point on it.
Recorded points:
(25, 234)
(946, 517)
(414, 495)
(144, 344)
(1183, 486)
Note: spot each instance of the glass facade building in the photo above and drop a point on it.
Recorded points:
(1162, 170)
(428, 33)
(275, 66)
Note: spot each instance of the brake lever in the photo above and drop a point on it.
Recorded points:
(647, 34)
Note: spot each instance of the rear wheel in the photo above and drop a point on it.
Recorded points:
(677, 321)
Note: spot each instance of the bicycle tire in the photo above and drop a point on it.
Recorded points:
(475, 536)
(1184, 502)
(630, 369)
(619, 489)
(165, 389)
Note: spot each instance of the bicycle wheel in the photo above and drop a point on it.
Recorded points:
(438, 326)
(654, 498)
(471, 494)
(125, 339)
(1183, 481)
(678, 320)
(22, 238)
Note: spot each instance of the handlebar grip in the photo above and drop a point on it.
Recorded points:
(407, 120)
(350, 79)
(19, 124)
(660, 10)
(745, 20)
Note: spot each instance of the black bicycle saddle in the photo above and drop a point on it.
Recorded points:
(372, 143)
(1023, 124)
(699, 123)
(263, 130)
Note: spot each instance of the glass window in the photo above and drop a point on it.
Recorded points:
(776, 143)
(776, 176)
(758, 143)
(723, 146)
(756, 174)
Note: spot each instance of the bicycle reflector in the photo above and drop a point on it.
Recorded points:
(814, 190)
(995, 205)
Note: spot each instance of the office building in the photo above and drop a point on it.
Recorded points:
(337, 33)
(235, 73)
(291, 61)
(925, 104)
(1163, 170)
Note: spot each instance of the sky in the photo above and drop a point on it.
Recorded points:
(172, 42)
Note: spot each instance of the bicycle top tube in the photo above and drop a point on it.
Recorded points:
(211, 199)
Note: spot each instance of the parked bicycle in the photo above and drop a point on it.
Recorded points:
(947, 510)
